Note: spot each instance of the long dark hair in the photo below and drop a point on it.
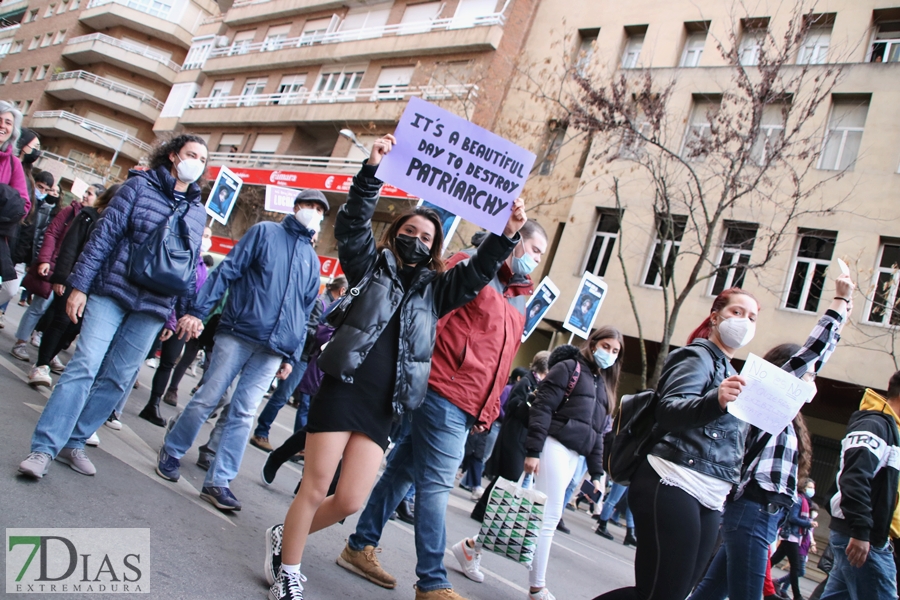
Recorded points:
(721, 301)
(612, 374)
(437, 243)
(106, 197)
(778, 356)
(159, 157)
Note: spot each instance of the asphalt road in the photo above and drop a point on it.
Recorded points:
(198, 552)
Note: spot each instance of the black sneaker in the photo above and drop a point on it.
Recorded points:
(221, 498)
(287, 587)
(273, 553)
(268, 472)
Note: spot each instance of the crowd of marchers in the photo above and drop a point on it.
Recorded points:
(410, 353)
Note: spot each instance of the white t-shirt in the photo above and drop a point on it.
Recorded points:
(709, 491)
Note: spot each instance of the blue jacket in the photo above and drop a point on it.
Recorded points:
(272, 275)
(141, 205)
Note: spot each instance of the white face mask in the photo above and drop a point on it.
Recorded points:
(189, 170)
(205, 244)
(309, 217)
(736, 332)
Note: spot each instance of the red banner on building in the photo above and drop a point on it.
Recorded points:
(329, 267)
(325, 182)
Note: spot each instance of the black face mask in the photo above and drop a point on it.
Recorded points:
(31, 157)
(411, 250)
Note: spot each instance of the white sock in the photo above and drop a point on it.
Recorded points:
(292, 569)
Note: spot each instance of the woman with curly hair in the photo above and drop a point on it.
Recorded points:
(121, 317)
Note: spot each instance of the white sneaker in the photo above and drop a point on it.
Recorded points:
(152, 362)
(40, 377)
(56, 365)
(20, 351)
(113, 423)
(469, 560)
(93, 440)
(2, 320)
(476, 494)
(36, 339)
(544, 594)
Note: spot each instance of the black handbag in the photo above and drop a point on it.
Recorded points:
(338, 314)
(165, 263)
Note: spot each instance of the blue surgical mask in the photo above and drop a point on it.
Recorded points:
(523, 265)
(39, 194)
(604, 358)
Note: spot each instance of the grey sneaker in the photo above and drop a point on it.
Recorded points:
(20, 351)
(56, 365)
(77, 460)
(40, 377)
(36, 465)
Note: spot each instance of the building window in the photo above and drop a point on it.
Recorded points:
(42, 72)
(771, 132)
(290, 90)
(275, 37)
(5, 45)
(338, 85)
(220, 89)
(603, 241)
(553, 141)
(29, 75)
(49, 11)
(634, 41)
(393, 83)
(587, 37)
(241, 42)
(18, 76)
(76, 4)
(885, 46)
(753, 36)
(35, 42)
(63, 7)
(315, 29)
(16, 47)
(252, 87)
(419, 18)
(814, 50)
(884, 308)
(4, 76)
(669, 233)
(265, 144)
(699, 129)
(60, 37)
(365, 22)
(48, 39)
(693, 45)
(632, 147)
(734, 256)
(844, 134)
(814, 253)
(230, 142)
(26, 106)
(179, 99)
(31, 16)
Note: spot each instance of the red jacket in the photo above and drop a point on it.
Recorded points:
(476, 343)
(50, 246)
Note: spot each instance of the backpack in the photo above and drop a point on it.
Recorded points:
(632, 435)
(165, 262)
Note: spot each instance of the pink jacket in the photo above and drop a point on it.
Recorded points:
(12, 174)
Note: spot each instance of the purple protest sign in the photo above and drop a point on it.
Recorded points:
(280, 199)
(456, 165)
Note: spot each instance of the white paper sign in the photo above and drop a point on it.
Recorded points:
(772, 397)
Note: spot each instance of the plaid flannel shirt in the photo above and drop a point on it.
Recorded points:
(775, 469)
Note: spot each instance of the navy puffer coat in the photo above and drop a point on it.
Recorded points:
(141, 205)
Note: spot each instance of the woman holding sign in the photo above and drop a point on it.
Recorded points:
(678, 492)
(378, 361)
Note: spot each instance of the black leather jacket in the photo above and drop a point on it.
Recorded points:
(699, 434)
(428, 298)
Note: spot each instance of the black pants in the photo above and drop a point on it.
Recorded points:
(59, 330)
(169, 355)
(791, 551)
(191, 349)
(291, 446)
(678, 535)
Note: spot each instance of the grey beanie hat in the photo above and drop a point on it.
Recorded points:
(312, 196)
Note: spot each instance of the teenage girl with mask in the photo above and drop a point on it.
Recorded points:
(380, 356)
(678, 492)
(121, 318)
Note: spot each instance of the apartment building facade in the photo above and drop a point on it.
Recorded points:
(92, 76)
(860, 135)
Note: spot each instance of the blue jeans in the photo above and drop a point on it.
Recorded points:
(428, 457)
(875, 580)
(278, 400)
(580, 470)
(257, 366)
(616, 492)
(113, 344)
(32, 315)
(738, 569)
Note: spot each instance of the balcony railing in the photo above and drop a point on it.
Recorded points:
(7, 27)
(110, 85)
(128, 47)
(336, 37)
(163, 12)
(74, 164)
(91, 126)
(249, 161)
(304, 96)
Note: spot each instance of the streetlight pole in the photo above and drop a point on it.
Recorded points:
(115, 155)
(352, 137)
